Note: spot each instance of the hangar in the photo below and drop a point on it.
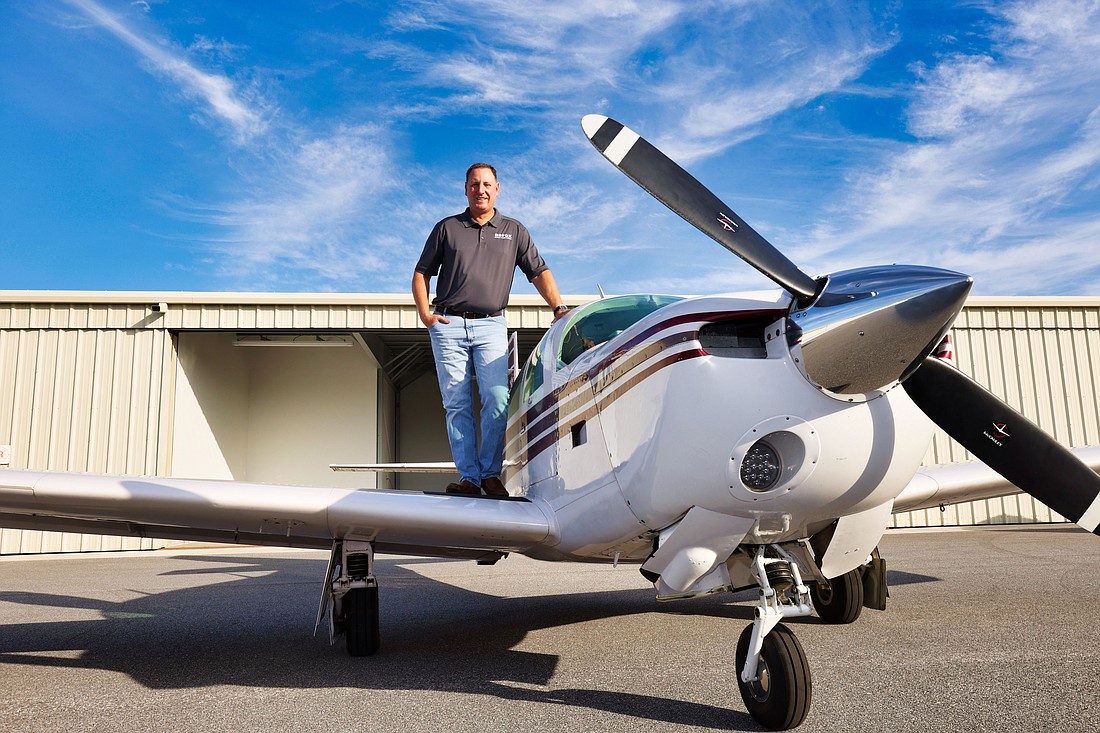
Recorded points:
(273, 387)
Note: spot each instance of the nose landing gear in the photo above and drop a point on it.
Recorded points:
(774, 679)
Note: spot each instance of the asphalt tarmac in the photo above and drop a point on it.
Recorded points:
(985, 630)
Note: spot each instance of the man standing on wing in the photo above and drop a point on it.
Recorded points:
(475, 254)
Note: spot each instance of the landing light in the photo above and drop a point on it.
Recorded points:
(760, 470)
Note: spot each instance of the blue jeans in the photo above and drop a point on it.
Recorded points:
(465, 350)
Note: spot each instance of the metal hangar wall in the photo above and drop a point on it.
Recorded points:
(274, 387)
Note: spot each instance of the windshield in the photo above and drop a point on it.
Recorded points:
(603, 320)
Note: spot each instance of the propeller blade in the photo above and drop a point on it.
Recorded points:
(678, 190)
(1007, 442)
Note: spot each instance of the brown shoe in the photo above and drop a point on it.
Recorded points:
(494, 486)
(463, 487)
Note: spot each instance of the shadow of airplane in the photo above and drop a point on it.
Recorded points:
(248, 631)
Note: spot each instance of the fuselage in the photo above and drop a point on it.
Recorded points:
(634, 409)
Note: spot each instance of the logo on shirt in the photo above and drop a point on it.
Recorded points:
(506, 235)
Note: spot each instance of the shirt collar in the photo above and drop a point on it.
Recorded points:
(468, 219)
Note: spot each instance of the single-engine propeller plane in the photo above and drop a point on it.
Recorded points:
(722, 442)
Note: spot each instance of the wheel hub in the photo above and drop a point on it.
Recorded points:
(760, 688)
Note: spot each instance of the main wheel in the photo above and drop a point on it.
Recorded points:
(361, 621)
(779, 697)
(843, 601)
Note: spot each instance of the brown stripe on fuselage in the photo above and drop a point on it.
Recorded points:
(575, 392)
(547, 411)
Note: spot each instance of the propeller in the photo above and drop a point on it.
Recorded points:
(674, 187)
(1001, 437)
(1006, 441)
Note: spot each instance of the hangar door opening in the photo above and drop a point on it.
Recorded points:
(277, 414)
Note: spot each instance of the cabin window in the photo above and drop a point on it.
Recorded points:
(531, 378)
(603, 320)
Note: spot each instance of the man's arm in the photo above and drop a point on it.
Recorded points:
(548, 288)
(423, 306)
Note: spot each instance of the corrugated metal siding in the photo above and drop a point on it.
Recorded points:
(244, 312)
(95, 400)
(1042, 359)
(86, 379)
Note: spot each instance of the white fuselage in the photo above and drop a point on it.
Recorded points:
(633, 432)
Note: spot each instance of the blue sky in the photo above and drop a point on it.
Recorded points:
(309, 146)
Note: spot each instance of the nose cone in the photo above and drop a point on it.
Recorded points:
(871, 326)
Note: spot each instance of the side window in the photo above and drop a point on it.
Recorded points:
(532, 372)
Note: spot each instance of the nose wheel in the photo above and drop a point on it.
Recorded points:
(779, 697)
(773, 673)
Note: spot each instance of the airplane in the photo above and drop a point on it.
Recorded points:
(721, 443)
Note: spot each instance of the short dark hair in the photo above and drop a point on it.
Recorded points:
(475, 166)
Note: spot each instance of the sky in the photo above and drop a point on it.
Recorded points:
(296, 146)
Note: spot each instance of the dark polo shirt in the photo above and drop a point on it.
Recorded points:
(475, 263)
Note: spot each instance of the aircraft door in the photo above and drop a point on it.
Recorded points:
(530, 445)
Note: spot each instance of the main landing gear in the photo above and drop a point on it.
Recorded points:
(840, 600)
(350, 597)
(774, 677)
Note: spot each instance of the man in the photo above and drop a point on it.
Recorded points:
(475, 254)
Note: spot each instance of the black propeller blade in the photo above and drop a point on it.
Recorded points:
(1007, 442)
(678, 190)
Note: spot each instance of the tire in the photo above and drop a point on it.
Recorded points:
(361, 621)
(779, 699)
(843, 602)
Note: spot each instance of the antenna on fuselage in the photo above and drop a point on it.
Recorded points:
(602, 294)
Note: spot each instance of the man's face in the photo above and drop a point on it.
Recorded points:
(481, 191)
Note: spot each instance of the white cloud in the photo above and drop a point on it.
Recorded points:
(1002, 159)
(244, 112)
(304, 217)
(1001, 180)
(314, 213)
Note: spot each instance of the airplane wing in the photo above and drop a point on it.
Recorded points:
(954, 483)
(402, 522)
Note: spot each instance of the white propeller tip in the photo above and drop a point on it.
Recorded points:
(591, 124)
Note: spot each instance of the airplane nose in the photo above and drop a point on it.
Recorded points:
(873, 326)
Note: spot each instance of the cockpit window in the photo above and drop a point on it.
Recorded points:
(604, 319)
(532, 372)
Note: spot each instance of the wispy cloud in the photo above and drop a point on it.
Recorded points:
(1001, 181)
(695, 77)
(244, 113)
(301, 217)
(1000, 157)
(308, 216)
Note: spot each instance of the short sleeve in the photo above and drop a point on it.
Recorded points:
(527, 256)
(431, 258)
